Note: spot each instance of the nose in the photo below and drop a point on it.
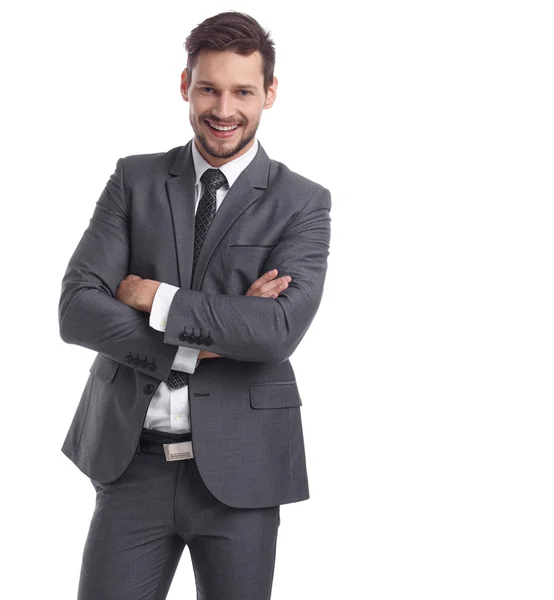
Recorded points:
(223, 108)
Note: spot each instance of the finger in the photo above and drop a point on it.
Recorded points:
(271, 288)
(275, 286)
(263, 279)
(260, 281)
(266, 289)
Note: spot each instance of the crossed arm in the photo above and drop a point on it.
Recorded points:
(155, 297)
(246, 328)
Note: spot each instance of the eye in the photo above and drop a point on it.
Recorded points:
(247, 91)
(206, 88)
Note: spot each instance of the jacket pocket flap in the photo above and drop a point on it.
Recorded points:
(278, 394)
(249, 250)
(104, 368)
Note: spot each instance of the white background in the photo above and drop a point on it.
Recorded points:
(426, 377)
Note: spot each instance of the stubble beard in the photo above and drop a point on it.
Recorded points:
(213, 148)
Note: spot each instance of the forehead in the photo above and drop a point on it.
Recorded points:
(224, 68)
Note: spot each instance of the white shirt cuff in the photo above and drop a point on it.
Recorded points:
(186, 359)
(160, 306)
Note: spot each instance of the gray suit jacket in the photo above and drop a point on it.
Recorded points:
(245, 407)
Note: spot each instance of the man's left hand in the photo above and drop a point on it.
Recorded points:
(137, 292)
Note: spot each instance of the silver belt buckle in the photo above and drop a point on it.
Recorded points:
(179, 451)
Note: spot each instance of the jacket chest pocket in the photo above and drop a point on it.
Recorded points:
(249, 250)
(243, 265)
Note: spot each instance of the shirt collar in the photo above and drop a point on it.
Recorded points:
(231, 169)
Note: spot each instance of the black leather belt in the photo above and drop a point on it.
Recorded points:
(175, 446)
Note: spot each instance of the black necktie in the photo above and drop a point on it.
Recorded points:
(212, 179)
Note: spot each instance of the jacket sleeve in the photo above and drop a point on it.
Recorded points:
(250, 328)
(89, 314)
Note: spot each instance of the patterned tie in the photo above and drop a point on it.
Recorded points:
(212, 179)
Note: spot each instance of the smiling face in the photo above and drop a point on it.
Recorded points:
(226, 89)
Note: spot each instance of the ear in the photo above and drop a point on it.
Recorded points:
(271, 93)
(184, 85)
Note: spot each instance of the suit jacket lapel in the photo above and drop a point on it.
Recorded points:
(180, 191)
(246, 190)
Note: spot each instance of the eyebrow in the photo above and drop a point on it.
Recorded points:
(245, 86)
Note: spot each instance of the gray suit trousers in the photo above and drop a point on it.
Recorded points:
(143, 520)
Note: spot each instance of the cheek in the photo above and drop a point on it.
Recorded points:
(254, 116)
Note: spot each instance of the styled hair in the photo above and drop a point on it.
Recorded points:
(236, 32)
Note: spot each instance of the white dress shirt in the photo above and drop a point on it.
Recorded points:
(169, 410)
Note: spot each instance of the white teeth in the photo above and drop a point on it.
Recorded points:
(222, 128)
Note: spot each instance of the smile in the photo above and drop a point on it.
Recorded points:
(222, 128)
(222, 132)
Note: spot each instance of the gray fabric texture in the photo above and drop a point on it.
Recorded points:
(144, 519)
(245, 407)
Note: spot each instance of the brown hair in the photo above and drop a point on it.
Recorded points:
(232, 31)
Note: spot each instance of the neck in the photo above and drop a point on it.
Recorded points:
(215, 161)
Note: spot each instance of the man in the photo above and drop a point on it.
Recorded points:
(198, 276)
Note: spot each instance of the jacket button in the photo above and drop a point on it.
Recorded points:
(183, 337)
(148, 388)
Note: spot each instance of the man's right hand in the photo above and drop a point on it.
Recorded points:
(265, 286)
